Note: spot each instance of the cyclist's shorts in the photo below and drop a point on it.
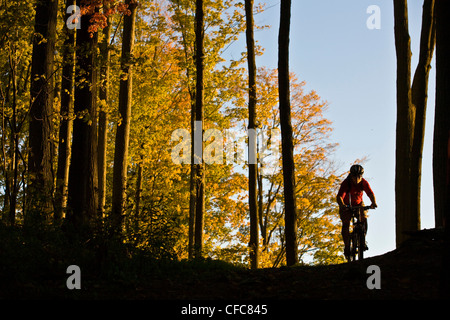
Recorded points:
(346, 215)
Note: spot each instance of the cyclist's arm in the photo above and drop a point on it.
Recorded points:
(370, 193)
(341, 194)
(340, 201)
(374, 201)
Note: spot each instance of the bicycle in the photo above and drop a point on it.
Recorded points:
(358, 234)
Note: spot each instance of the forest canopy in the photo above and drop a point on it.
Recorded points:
(119, 91)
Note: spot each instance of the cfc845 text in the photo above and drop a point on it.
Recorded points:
(231, 309)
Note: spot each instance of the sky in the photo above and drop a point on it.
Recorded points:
(353, 68)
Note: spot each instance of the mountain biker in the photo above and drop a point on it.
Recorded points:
(351, 193)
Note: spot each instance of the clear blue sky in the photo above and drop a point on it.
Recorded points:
(354, 69)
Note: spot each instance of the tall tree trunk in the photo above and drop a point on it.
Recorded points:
(123, 129)
(11, 170)
(102, 117)
(262, 221)
(40, 185)
(184, 26)
(5, 168)
(252, 157)
(442, 112)
(198, 131)
(441, 139)
(404, 221)
(419, 97)
(82, 198)
(411, 111)
(66, 113)
(138, 194)
(192, 185)
(287, 143)
(444, 288)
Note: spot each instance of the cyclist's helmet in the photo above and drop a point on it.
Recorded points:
(356, 170)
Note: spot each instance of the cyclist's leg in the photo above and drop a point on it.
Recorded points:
(345, 216)
(363, 217)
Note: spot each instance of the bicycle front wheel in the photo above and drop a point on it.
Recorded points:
(361, 245)
(353, 246)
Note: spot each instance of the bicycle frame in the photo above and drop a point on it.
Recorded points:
(358, 234)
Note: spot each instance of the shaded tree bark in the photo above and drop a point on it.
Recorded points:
(419, 98)
(442, 113)
(198, 131)
(411, 110)
(192, 186)
(252, 158)
(403, 219)
(102, 116)
(83, 179)
(11, 167)
(261, 220)
(441, 138)
(287, 143)
(66, 113)
(40, 171)
(123, 129)
(184, 26)
(137, 198)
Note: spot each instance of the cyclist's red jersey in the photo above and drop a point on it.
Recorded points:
(355, 190)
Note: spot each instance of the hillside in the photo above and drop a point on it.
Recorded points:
(33, 267)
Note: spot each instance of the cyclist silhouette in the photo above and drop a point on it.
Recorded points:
(351, 194)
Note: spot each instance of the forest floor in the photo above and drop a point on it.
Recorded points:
(34, 267)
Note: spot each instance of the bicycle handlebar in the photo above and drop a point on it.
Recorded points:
(354, 210)
(360, 207)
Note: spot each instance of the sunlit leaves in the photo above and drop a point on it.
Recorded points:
(156, 215)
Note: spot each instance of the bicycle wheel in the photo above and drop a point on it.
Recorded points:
(353, 246)
(361, 244)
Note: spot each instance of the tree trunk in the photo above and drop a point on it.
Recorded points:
(411, 111)
(102, 117)
(441, 139)
(82, 200)
(11, 169)
(137, 198)
(123, 129)
(40, 171)
(192, 186)
(287, 143)
(442, 112)
(66, 113)
(184, 26)
(262, 221)
(252, 158)
(419, 102)
(198, 131)
(404, 221)
(5, 167)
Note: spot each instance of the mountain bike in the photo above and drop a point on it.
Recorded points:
(358, 234)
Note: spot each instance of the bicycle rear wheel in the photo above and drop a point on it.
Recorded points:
(353, 246)
(361, 244)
